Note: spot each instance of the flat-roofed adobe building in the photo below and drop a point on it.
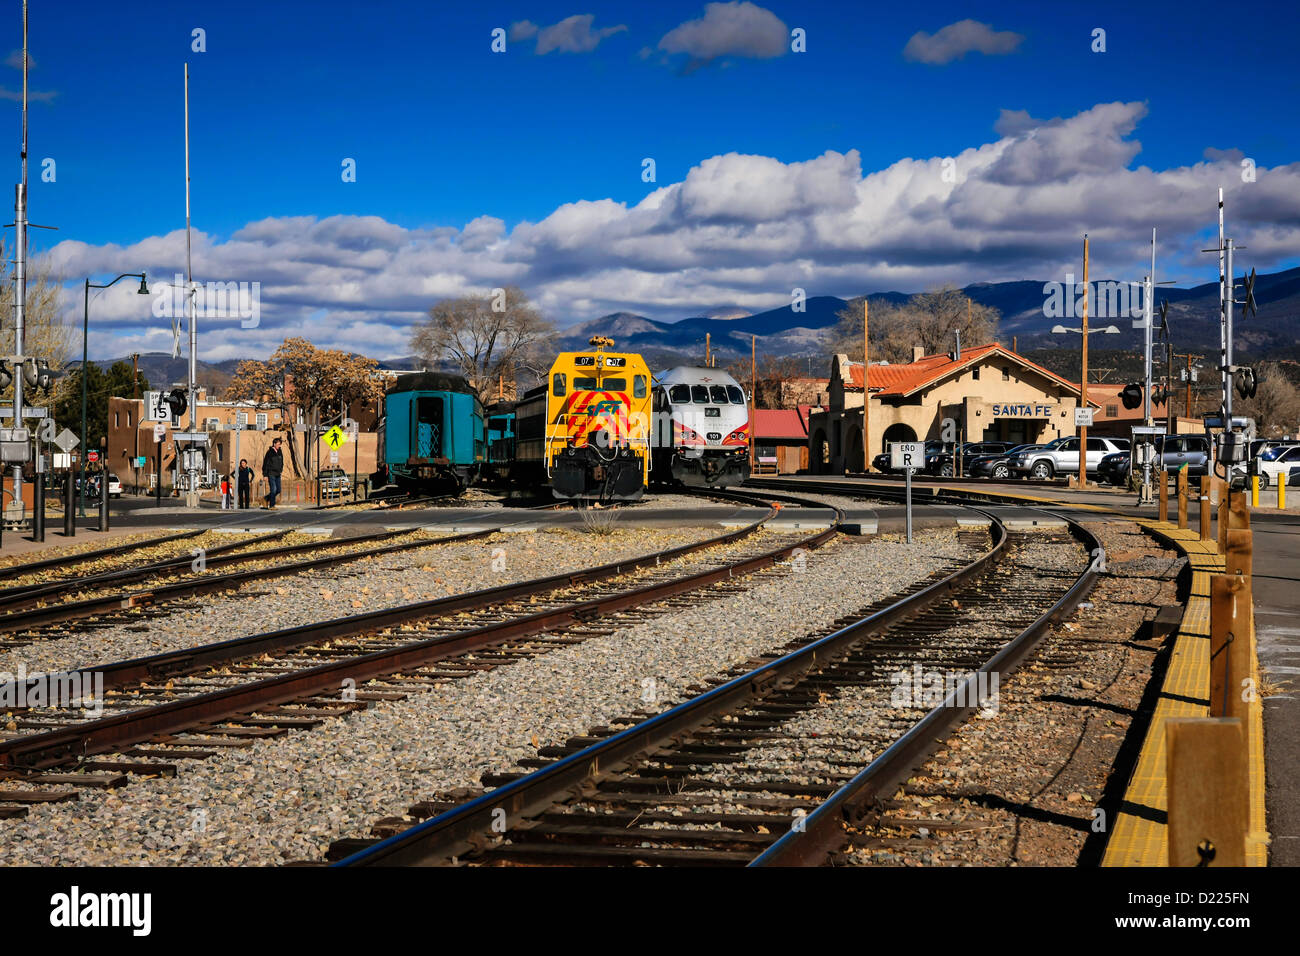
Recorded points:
(989, 392)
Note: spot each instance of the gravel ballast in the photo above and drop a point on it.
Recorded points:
(289, 798)
(352, 588)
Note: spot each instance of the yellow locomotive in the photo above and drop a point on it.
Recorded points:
(586, 431)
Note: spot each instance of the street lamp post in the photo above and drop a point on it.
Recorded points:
(85, 330)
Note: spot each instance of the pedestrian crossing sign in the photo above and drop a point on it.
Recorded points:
(336, 437)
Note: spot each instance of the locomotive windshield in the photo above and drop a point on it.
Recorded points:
(680, 394)
(736, 395)
(719, 394)
(580, 381)
(615, 385)
(699, 394)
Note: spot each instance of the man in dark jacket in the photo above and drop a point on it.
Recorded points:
(244, 481)
(272, 469)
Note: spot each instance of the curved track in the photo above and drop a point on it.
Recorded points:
(692, 785)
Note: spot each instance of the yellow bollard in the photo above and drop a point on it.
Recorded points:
(1254, 491)
(1281, 493)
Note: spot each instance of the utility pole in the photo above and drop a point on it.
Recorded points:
(866, 386)
(753, 399)
(192, 494)
(1187, 401)
(707, 357)
(20, 283)
(1083, 383)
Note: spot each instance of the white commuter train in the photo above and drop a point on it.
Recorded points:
(701, 432)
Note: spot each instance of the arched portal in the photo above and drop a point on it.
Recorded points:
(896, 432)
(820, 460)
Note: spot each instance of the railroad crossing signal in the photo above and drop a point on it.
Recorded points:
(336, 438)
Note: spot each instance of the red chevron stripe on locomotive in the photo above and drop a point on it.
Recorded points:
(595, 411)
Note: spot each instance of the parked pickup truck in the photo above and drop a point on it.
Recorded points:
(334, 483)
(1061, 456)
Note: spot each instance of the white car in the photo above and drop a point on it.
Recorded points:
(114, 486)
(1272, 463)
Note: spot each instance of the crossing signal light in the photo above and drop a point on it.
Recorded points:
(45, 375)
(1159, 396)
(1131, 396)
(177, 402)
(1247, 382)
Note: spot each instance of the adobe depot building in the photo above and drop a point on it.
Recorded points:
(990, 392)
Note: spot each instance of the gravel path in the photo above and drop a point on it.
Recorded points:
(366, 584)
(288, 799)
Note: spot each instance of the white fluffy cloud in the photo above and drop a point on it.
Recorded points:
(738, 230)
(728, 29)
(957, 39)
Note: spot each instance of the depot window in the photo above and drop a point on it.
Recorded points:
(680, 394)
(699, 394)
(1112, 411)
(1006, 374)
(557, 384)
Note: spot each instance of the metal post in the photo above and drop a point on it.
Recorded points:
(158, 476)
(866, 386)
(1083, 378)
(69, 505)
(103, 495)
(20, 274)
(81, 462)
(192, 492)
(908, 482)
(38, 507)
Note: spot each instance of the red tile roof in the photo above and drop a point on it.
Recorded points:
(903, 380)
(780, 423)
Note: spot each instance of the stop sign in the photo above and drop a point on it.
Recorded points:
(92, 456)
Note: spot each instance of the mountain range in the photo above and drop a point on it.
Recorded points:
(1193, 321)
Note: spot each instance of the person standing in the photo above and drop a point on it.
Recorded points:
(272, 469)
(227, 499)
(244, 482)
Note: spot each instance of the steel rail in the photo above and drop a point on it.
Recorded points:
(70, 560)
(213, 557)
(149, 596)
(442, 838)
(822, 831)
(14, 597)
(51, 748)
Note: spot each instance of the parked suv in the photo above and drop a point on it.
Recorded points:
(1272, 464)
(942, 463)
(1062, 457)
(997, 466)
(1172, 454)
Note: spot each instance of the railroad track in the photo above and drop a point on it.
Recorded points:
(29, 620)
(192, 703)
(736, 775)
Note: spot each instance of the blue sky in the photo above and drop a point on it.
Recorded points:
(444, 132)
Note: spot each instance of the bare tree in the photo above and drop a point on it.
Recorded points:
(47, 333)
(1276, 405)
(485, 338)
(928, 319)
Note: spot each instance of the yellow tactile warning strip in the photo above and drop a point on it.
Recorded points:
(1138, 836)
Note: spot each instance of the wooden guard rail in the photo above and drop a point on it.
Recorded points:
(1207, 758)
